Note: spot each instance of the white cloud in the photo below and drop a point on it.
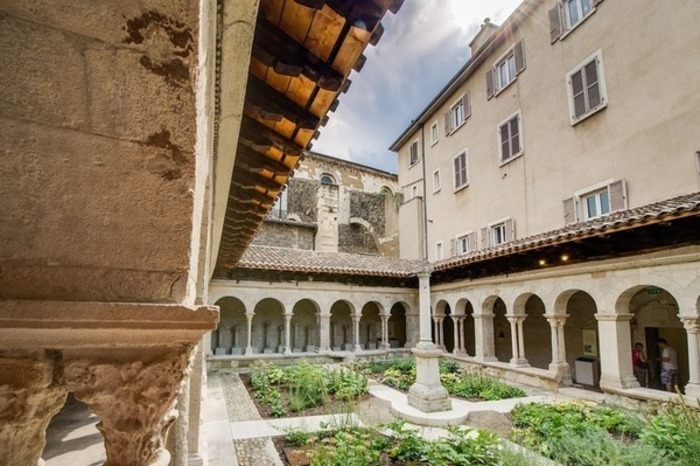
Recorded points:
(422, 47)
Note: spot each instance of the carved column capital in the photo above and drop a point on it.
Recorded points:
(134, 397)
(691, 324)
(31, 393)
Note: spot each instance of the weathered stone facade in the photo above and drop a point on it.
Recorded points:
(290, 234)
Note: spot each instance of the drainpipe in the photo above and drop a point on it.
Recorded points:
(425, 194)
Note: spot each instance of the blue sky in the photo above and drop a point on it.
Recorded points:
(423, 46)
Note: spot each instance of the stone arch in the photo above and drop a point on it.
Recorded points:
(494, 305)
(231, 334)
(581, 325)
(371, 324)
(655, 315)
(368, 229)
(327, 178)
(536, 330)
(268, 326)
(304, 326)
(384, 189)
(342, 330)
(397, 325)
(465, 310)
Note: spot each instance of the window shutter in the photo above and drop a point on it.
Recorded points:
(569, 211)
(618, 196)
(484, 238)
(447, 123)
(519, 55)
(555, 28)
(453, 247)
(471, 241)
(510, 230)
(489, 84)
(467, 106)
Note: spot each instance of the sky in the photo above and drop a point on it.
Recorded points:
(423, 46)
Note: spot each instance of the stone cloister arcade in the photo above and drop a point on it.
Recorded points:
(259, 319)
(541, 324)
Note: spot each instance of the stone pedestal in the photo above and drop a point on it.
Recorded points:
(428, 394)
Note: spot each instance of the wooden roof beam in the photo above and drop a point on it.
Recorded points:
(258, 161)
(274, 106)
(258, 136)
(274, 48)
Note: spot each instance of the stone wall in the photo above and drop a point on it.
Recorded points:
(369, 207)
(284, 235)
(355, 238)
(302, 198)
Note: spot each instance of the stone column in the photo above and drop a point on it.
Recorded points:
(455, 334)
(515, 348)
(133, 395)
(324, 336)
(197, 382)
(30, 395)
(559, 367)
(249, 344)
(615, 349)
(517, 340)
(460, 345)
(441, 331)
(287, 334)
(692, 328)
(484, 342)
(385, 332)
(427, 394)
(356, 331)
(436, 332)
(177, 439)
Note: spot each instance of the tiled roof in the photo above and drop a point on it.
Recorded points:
(301, 260)
(669, 209)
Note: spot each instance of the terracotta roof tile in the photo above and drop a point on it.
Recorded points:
(679, 206)
(301, 260)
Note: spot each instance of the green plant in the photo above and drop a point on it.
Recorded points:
(675, 431)
(297, 437)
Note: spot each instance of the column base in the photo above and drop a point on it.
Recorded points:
(519, 362)
(618, 383)
(195, 459)
(485, 359)
(358, 348)
(562, 372)
(692, 390)
(428, 394)
(248, 351)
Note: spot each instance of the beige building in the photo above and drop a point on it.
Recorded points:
(543, 183)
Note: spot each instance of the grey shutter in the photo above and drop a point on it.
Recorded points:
(471, 241)
(519, 55)
(489, 84)
(484, 238)
(467, 105)
(569, 211)
(510, 230)
(453, 247)
(555, 28)
(617, 193)
(447, 123)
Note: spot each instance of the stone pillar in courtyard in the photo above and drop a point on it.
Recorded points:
(249, 344)
(615, 347)
(427, 394)
(559, 367)
(324, 334)
(692, 328)
(484, 338)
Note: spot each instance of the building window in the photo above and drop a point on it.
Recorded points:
(436, 181)
(459, 163)
(438, 251)
(327, 179)
(510, 138)
(567, 15)
(413, 153)
(596, 201)
(506, 69)
(576, 10)
(586, 88)
(414, 192)
(434, 133)
(457, 114)
(500, 232)
(464, 243)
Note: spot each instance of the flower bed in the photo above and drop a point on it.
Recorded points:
(401, 374)
(583, 434)
(303, 389)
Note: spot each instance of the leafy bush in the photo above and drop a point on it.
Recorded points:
(674, 431)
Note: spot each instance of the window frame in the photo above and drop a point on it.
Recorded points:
(456, 104)
(567, 27)
(582, 194)
(597, 56)
(464, 153)
(434, 131)
(462, 237)
(437, 186)
(521, 139)
(412, 163)
(597, 197)
(492, 233)
(439, 248)
(331, 177)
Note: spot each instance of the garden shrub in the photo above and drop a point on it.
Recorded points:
(674, 431)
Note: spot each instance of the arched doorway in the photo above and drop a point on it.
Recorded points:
(370, 326)
(656, 317)
(342, 328)
(304, 327)
(465, 310)
(580, 328)
(397, 326)
(537, 334)
(501, 331)
(231, 334)
(268, 327)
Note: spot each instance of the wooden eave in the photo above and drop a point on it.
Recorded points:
(303, 52)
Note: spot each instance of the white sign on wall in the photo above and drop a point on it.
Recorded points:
(590, 343)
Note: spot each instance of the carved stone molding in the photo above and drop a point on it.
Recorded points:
(31, 393)
(133, 395)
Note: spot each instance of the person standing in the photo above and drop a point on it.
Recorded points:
(640, 364)
(669, 365)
